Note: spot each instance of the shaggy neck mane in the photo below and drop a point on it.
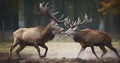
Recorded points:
(47, 34)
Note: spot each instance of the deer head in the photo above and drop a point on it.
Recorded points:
(73, 27)
(49, 11)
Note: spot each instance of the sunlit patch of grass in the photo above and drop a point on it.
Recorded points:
(5, 46)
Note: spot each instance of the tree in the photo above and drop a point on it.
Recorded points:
(21, 13)
(110, 6)
(106, 10)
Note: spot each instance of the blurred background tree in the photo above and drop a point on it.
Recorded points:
(109, 11)
(25, 13)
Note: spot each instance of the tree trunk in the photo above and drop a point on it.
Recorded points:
(101, 16)
(102, 23)
(21, 22)
(3, 30)
(28, 13)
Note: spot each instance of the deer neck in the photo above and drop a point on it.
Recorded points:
(78, 36)
(47, 30)
(47, 33)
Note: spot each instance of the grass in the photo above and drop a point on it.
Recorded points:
(5, 46)
(58, 49)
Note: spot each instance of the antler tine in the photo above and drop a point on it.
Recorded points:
(47, 4)
(74, 23)
(85, 15)
(44, 10)
(85, 19)
(60, 19)
(41, 4)
(62, 16)
(78, 21)
(90, 19)
(55, 13)
(67, 22)
(67, 19)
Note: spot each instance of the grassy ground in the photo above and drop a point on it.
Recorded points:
(55, 47)
(60, 52)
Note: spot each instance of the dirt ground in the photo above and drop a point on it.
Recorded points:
(60, 52)
(27, 59)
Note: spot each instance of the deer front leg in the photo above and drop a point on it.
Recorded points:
(46, 49)
(93, 51)
(81, 50)
(38, 49)
(12, 47)
(104, 50)
(21, 47)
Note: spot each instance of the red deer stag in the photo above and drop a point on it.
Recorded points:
(88, 37)
(37, 36)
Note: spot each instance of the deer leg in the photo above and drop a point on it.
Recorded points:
(21, 47)
(38, 49)
(93, 51)
(12, 47)
(104, 50)
(81, 50)
(113, 49)
(46, 49)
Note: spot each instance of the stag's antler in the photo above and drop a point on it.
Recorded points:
(85, 20)
(67, 22)
(78, 22)
(48, 11)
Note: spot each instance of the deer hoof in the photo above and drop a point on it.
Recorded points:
(42, 56)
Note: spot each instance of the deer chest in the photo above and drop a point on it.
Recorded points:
(47, 38)
(77, 39)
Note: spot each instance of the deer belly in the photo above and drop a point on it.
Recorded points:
(96, 43)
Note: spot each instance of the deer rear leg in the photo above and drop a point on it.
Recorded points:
(81, 50)
(38, 49)
(46, 49)
(93, 51)
(113, 49)
(104, 50)
(20, 48)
